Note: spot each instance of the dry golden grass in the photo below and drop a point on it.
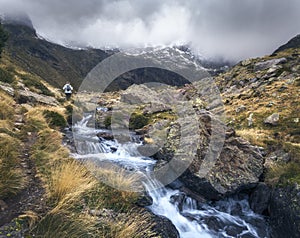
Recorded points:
(69, 180)
(49, 140)
(65, 225)
(254, 136)
(117, 178)
(31, 217)
(12, 179)
(138, 226)
(6, 107)
(35, 121)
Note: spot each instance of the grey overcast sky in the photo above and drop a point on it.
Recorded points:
(232, 29)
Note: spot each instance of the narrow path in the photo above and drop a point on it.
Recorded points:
(30, 199)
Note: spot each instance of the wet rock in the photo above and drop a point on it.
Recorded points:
(165, 228)
(272, 120)
(178, 200)
(234, 231)
(284, 212)
(105, 135)
(144, 201)
(148, 150)
(260, 198)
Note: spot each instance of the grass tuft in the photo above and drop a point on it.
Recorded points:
(116, 188)
(11, 177)
(69, 180)
(54, 119)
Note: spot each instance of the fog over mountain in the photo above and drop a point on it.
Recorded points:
(229, 29)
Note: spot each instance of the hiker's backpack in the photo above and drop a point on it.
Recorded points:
(69, 88)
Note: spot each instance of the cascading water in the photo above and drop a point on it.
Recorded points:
(227, 218)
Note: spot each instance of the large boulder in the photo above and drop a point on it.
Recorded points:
(268, 64)
(26, 96)
(238, 166)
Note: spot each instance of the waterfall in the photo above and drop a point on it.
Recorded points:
(231, 217)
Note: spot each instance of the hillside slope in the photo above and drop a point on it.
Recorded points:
(54, 63)
(57, 64)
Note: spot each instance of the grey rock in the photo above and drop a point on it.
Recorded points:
(268, 64)
(165, 228)
(270, 104)
(7, 88)
(282, 88)
(26, 96)
(272, 120)
(260, 198)
(156, 107)
(238, 166)
(241, 109)
(284, 212)
(250, 120)
(246, 62)
(148, 150)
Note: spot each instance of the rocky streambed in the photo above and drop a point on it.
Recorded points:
(238, 169)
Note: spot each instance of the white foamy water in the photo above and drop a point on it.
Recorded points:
(227, 218)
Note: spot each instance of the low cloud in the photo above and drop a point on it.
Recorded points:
(230, 29)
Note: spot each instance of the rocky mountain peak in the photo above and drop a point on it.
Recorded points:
(19, 18)
(293, 43)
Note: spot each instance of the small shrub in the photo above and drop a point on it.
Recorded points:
(54, 119)
(137, 121)
(107, 121)
(6, 76)
(69, 109)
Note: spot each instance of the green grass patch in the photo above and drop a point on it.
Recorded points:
(107, 122)
(284, 174)
(138, 121)
(36, 85)
(6, 76)
(54, 119)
